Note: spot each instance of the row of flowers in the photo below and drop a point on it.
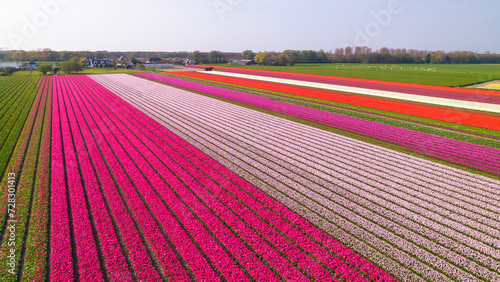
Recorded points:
(249, 227)
(411, 88)
(448, 238)
(463, 153)
(440, 113)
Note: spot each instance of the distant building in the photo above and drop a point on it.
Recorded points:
(32, 66)
(190, 62)
(101, 63)
(241, 62)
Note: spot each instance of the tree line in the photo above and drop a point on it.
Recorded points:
(287, 57)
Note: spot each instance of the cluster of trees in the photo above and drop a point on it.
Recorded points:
(288, 57)
(383, 55)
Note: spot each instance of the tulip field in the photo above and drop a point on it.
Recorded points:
(151, 177)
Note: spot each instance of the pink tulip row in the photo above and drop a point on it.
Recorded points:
(307, 234)
(69, 211)
(137, 249)
(459, 242)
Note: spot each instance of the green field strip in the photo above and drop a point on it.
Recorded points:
(25, 191)
(425, 125)
(35, 266)
(11, 104)
(13, 159)
(14, 126)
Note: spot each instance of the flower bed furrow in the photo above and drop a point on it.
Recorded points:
(306, 183)
(459, 152)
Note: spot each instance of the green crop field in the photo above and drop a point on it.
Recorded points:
(442, 74)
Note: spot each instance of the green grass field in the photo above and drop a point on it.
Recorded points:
(436, 74)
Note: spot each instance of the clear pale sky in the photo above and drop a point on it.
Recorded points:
(259, 25)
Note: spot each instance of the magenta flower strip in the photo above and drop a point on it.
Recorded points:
(194, 259)
(137, 251)
(212, 249)
(114, 258)
(61, 261)
(86, 249)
